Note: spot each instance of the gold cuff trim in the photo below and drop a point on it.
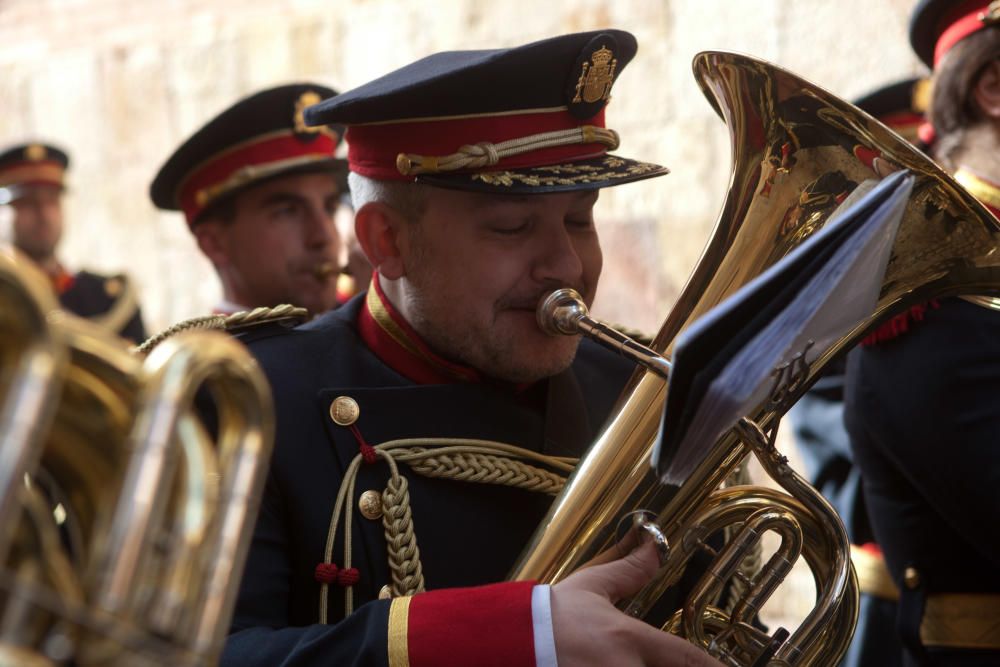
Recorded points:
(399, 624)
(962, 620)
(873, 575)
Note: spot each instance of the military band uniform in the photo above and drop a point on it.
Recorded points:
(468, 533)
(924, 419)
(108, 301)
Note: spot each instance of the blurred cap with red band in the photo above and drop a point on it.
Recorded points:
(938, 25)
(32, 164)
(261, 137)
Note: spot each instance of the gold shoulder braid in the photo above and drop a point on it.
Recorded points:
(483, 461)
(234, 324)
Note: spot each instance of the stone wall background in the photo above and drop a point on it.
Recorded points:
(120, 83)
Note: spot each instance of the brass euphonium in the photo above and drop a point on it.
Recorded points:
(123, 523)
(798, 151)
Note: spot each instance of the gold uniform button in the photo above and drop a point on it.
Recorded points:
(911, 578)
(385, 593)
(344, 411)
(370, 504)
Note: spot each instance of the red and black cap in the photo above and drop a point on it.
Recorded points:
(28, 164)
(259, 138)
(938, 25)
(528, 119)
(901, 106)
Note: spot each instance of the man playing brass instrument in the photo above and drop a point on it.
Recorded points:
(32, 182)
(259, 190)
(423, 427)
(921, 400)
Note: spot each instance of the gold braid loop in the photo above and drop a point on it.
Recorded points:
(484, 461)
(488, 469)
(259, 315)
(203, 322)
(235, 322)
(487, 154)
(404, 556)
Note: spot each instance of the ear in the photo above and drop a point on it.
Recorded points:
(378, 229)
(986, 91)
(211, 238)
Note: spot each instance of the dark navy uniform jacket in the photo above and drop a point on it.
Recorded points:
(467, 533)
(923, 412)
(106, 299)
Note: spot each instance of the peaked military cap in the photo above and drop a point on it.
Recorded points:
(521, 120)
(30, 164)
(900, 105)
(262, 136)
(938, 25)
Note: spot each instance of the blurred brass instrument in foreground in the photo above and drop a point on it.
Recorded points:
(123, 523)
(798, 152)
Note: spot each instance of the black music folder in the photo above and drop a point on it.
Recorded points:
(723, 362)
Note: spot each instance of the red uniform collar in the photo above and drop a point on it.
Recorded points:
(63, 281)
(400, 347)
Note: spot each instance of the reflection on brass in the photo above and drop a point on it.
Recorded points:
(344, 411)
(798, 153)
(911, 578)
(370, 504)
(142, 563)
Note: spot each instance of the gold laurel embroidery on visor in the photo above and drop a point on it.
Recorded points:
(567, 174)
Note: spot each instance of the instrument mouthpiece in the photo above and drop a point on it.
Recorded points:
(561, 311)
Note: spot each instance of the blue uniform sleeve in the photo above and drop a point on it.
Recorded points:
(262, 632)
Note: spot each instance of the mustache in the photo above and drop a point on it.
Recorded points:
(530, 300)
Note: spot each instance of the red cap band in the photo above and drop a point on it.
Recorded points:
(373, 149)
(248, 162)
(37, 172)
(958, 24)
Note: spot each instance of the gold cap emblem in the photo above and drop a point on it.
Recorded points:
(992, 14)
(308, 99)
(596, 77)
(35, 152)
(344, 411)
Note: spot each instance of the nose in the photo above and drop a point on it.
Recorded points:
(321, 230)
(558, 261)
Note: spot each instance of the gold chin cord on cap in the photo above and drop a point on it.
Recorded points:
(486, 154)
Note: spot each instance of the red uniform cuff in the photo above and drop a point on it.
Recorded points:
(489, 626)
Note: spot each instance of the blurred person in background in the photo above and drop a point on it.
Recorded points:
(32, 182)
(922, 405)
(259, 190)
(817, 421)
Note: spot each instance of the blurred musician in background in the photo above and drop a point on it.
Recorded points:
(921, 399)
(817, 421)
(32, 182)
(259, 190)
